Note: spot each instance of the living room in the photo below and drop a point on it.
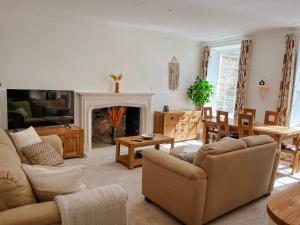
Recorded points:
(89, 61)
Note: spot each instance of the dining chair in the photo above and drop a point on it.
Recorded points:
(222, 125)
(290, 154)
(271, 118)
(245, 125)
(207, 113)
(249, 111)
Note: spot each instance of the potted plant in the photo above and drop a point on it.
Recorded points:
(200, 92)
(115, 115)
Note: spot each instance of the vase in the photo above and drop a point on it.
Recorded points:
(114, 135)
(117, 87)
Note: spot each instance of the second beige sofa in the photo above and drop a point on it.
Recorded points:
(223, 176)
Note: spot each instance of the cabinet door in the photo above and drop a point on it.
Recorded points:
(71, 143)
(193, 131)
(170, 129)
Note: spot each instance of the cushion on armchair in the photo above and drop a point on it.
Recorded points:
(24, 138)
(42, 154)
(47, 181)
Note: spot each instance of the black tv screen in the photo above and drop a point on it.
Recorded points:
(38, 108)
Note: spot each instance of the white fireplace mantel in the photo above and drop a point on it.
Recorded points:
(95, 100)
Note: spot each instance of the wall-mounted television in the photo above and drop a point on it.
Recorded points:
(38, 108)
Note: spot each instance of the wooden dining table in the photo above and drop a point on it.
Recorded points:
(279, 133)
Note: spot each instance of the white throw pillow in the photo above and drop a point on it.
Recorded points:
(25, 137)
(47, 182)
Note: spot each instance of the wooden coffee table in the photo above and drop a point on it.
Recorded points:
(129, 159)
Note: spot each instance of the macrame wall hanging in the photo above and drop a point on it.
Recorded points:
(174, 74)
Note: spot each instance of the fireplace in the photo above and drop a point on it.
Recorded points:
(102, 129)
(90, 101)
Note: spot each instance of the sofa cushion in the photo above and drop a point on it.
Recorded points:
(223, 146)
(42, 154)
(25, 138)
(256, 140)
(15, 189)
(48, 182)
(5, 140)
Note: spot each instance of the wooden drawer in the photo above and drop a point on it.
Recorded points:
(182, 127)
(180, 137)
(184, 117)
(171, 118)
(195, 117)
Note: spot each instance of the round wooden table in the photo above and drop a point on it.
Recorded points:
(284, 207)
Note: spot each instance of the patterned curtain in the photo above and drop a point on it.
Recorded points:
(241, 89)
(287, 82)
(205, 59)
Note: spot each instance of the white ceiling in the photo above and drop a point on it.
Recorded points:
(202, 20)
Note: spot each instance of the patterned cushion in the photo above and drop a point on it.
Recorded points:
(43, 154)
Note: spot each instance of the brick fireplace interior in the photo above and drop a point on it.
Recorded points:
(101, 126)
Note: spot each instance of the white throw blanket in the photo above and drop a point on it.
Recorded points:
(106, 205)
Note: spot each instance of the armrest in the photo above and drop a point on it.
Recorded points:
(174, 184)
(174, 164)
(55, 142)
(45, 213)
(110, 203)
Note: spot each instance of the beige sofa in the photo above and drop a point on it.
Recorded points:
(18, 205)
(223, 176)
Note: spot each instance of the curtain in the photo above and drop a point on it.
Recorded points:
(287, 82)
(241, 89)
(205, 59)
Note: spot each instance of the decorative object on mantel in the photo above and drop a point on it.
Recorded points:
(174, 74)
(200, 92)
(115, 115)
(117, 78)
(166, 108)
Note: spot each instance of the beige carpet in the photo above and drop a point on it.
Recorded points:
(102, 170)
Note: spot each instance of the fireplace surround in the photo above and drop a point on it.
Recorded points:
(95, 100)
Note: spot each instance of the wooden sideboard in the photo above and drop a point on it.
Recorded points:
(182, 125)
(72, 139)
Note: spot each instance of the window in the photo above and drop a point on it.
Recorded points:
(295, 108)
(223, 74)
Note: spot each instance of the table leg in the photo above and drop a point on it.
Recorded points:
(157, 147)
(117, 151)
(296, 155)
(131, 158)
(172, 144)
(205, 133)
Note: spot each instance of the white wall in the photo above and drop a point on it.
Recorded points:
(266, 61)
(40, 52)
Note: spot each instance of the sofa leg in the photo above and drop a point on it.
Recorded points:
(148, 200)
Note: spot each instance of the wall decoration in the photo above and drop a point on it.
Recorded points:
(117, 78)
(174, 74)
